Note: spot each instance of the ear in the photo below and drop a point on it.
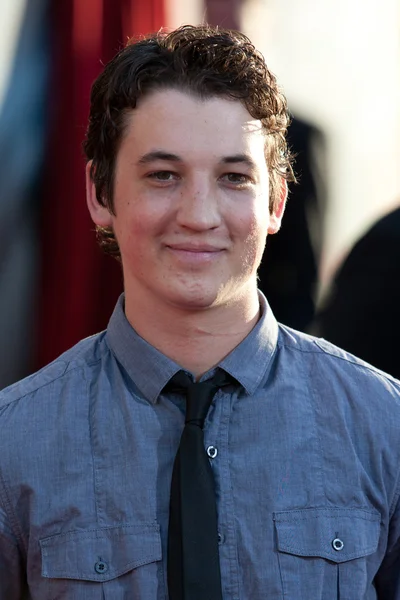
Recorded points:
(101, 216)
(275, 219)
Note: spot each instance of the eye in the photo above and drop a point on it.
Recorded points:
(237, 179)
(162, 176)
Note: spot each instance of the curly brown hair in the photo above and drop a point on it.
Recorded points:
(201, 60)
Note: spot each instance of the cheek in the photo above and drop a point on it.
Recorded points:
(256, 241)
(254, 222)
(252, 243)
(131, 223)
(256, 235)
(129, 233)
(138, 233)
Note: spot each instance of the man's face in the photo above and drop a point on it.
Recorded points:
(191, 199)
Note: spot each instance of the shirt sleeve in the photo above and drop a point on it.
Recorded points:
(387, 581)
(12, 575)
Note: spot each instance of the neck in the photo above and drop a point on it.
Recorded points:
(197, 340)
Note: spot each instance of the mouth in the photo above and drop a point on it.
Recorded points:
(195, 254)
(203, 248)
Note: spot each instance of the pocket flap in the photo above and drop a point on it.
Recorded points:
(100, 554)
(333, 533)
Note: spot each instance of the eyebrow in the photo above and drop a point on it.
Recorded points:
(158, 155)
(239, 158)
(169, 157)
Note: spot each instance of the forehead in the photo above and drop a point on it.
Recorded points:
(184, 123)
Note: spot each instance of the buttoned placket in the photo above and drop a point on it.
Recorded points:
(216, 436)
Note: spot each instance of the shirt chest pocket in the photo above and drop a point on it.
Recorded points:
(323, 552)
(96, 564)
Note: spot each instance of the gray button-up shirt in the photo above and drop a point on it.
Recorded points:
(305, 452)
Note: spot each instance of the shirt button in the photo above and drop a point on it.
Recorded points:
(212, 451)
(101, 567)
(337, 544)
(221, 538)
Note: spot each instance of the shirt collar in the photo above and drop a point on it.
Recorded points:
(151, 370)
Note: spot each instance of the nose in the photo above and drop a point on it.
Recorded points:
(198, 207)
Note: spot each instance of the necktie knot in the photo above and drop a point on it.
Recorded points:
(199, 395)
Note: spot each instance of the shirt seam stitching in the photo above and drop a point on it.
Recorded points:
(15, 526)
(347, 359)
(233, 569)
(395, 498)
(92, 452)
(44, 385)
(320, 452)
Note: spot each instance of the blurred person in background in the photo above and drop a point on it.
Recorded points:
(196, 449)
(362, 312)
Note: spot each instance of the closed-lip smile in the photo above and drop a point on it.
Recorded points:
(195, 255)
(194, 247)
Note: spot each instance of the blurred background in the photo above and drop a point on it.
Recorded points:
(338, 62)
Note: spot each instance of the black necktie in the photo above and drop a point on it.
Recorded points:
(193, 557)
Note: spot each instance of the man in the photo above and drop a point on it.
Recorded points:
(186, 176)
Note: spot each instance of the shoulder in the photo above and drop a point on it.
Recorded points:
(329, 366)
(64, 369)
(348, 399)
(49, 411)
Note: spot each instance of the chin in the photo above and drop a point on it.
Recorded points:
(195, 299)
(194, 304)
